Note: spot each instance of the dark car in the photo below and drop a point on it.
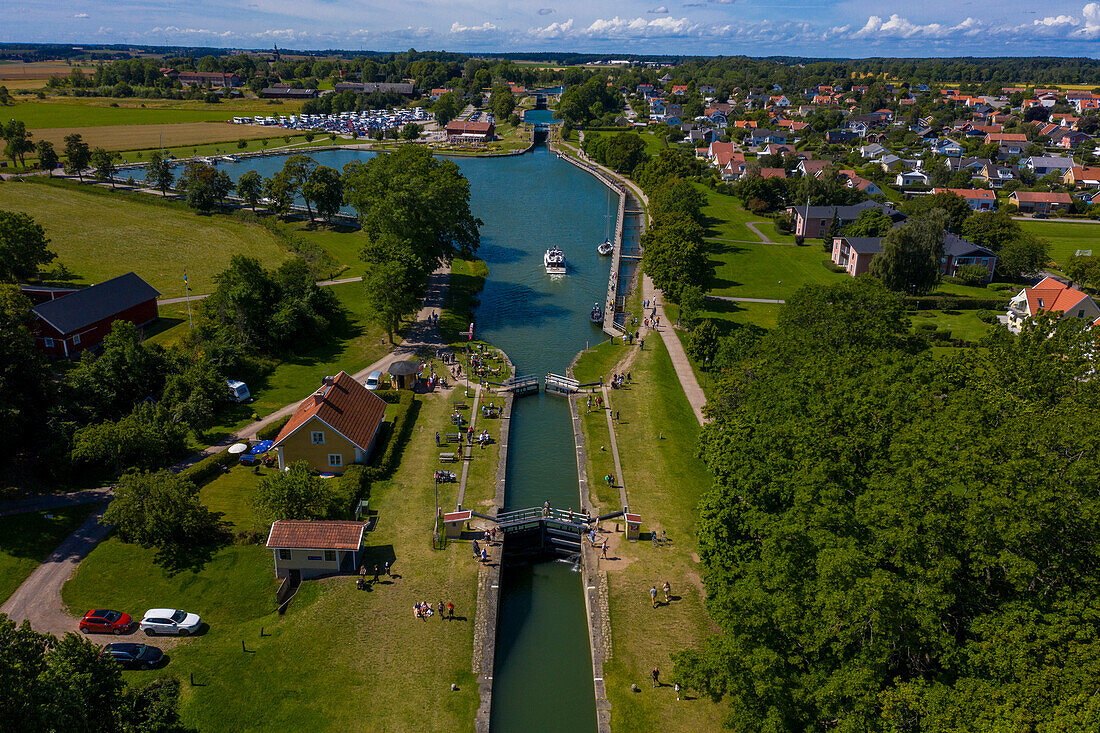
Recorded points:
(102, 621)
(134, 656)
(1040, 215)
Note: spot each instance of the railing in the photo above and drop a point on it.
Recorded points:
(561, 518)
(562, 385)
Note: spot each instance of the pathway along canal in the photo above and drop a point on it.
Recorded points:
(542, 678)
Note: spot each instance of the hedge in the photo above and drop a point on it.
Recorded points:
(947, 302)
(208, 468)
(395, 437)
(269, 432)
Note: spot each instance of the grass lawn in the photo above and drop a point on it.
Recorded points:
(118, 233)
(60, 111)
(656, 435)
(961, 324)
(1065, 238)
(466, 281)
(597, 361)
(343, 243)
(340, 659)
(28, 539)
(767, 270)
(353, 346)
(727, 218)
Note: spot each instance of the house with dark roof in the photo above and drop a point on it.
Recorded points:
(333, 428)
(854, 254)
(79, 320)
(315, 547)
(814, 221)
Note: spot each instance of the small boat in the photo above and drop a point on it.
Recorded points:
(596, 314)
(605, 248)
(554, 261)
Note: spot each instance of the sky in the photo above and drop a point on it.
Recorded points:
(830, 28)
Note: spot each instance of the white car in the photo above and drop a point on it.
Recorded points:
(374, 381)
(169, 621)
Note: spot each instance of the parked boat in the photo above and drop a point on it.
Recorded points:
(605, 248)
(554, 261)
(596, 314)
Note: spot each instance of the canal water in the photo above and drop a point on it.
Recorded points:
(543, 670)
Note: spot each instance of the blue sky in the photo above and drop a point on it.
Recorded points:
(752, 27)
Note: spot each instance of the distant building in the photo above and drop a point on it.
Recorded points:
(215, 79)
(465, 131)
(73, 322)
(368, 87)
(1052, 296)
(814, 221)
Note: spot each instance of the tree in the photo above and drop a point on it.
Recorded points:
(23, 247)
(103, 161)
(414, 198)
(1022, 257)
(18, 141)
(1084, 269)
(702, 344)
(25, 379)
(411, 131)
(250, 188)
(325, 187)
(141, 439)
(162, 510)
(674, 255)
(279, 191)
(677, 196)
(47, 156)
(205, 185)
(911, 254)
(501, 101)
(446, 108)
(692, 303)
(297, 171)
(78, 154)
(159, 172)
(991, 229)
(852, 313)
(956, 207)
(870, 223)
(394, 281)
(296, 494)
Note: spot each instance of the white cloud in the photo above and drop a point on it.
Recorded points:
(639, 27)
(485, 27)
(554, 30)
(178, 31)
(1056, 21)
(658, 11)
(1091, 14)
(82, 15)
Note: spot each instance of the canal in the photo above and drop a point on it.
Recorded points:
(542, 678)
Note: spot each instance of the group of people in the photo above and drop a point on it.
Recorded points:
(480, 553)
(618, 380)
(483, 438)
(422, 610)
(361, 582)
(668, 594)
(598, 402)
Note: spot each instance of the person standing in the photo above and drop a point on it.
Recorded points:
(605, 550)
(484, 555)
(477, 549)
(668, 592)
(450, 610)
(387, 567)
(656, 676)
(375, 572)
(440, 607)
(677, 688)
(653, 595)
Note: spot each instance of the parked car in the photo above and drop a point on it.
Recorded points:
(169, 621)
(374, 380)
(1039, 215)
(134, 656)
(102, 621)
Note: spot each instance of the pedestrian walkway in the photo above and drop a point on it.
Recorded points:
(684, 372)
(468, 450)
(620, 479)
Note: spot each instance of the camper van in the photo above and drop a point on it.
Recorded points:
(238, 391)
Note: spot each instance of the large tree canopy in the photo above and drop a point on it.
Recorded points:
(416, 198)
(896, 542)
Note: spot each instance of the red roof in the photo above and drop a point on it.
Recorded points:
(291, 534)
(980, 194)
(346, 406)
(1052, 295)
(1042, 197)
(1006, 137)
(773, 173)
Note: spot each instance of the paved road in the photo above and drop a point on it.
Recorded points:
(1064, 221)
(763, 237)
(694, 393)
(38, 599)
(48, 502)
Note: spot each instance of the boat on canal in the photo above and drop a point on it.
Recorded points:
(606, 247)
(554, 261)
(596, 314)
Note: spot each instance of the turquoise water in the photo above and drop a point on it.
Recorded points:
(540, 116)
(543, 669)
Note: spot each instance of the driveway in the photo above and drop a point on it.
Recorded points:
(38, 599)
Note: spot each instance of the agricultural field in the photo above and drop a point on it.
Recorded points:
(56, 111)
(119, 233)
(33, 75)
(1065, 238)
(129, 137)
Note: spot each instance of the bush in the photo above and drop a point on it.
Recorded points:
(935, 302)
(944, 335)
(972, 275)
(353, 486)
(390, 396)
(926, 326)
(757, 206)
(988, 316)
(208, 468)
(832, 266)
(394, 434)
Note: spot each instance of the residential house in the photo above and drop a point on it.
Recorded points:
(745, 125)
(979, 199)
(1051, 296)
(216, 79)
(1082, 177)
(997, 175)
(707, 90)
(872, 151)
(974, 165)
(948, 147)
(79, 320)
(762, 136)
(813, 168)
(890, 162)
(814, 221)
(1039, 202)
(333, 428)
(779, 101)
(1043, 165)
(836, 137)
(911, 178)
(854, 254)
(777, 149)
(656, 107)
(1071, 139)
(680, 89)
(437, 93)
(858, 183)
(312, 548)
(773, 173)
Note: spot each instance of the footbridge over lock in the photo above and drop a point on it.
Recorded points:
(539, 532)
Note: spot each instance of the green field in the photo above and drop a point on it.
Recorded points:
(97, 112)
(653, 143)
(961, 324)
(767, 270)
(1065, 238)
(97, 236)
(727, 219)
(28, 539)
(340, 659)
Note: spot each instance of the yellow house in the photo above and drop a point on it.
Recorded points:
(333, 428)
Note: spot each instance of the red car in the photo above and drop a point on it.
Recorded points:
(106, 622)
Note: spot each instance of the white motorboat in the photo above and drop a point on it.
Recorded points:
(605, 248)
(596, 314)
(554, 261)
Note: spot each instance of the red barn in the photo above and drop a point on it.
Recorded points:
(67, 325)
